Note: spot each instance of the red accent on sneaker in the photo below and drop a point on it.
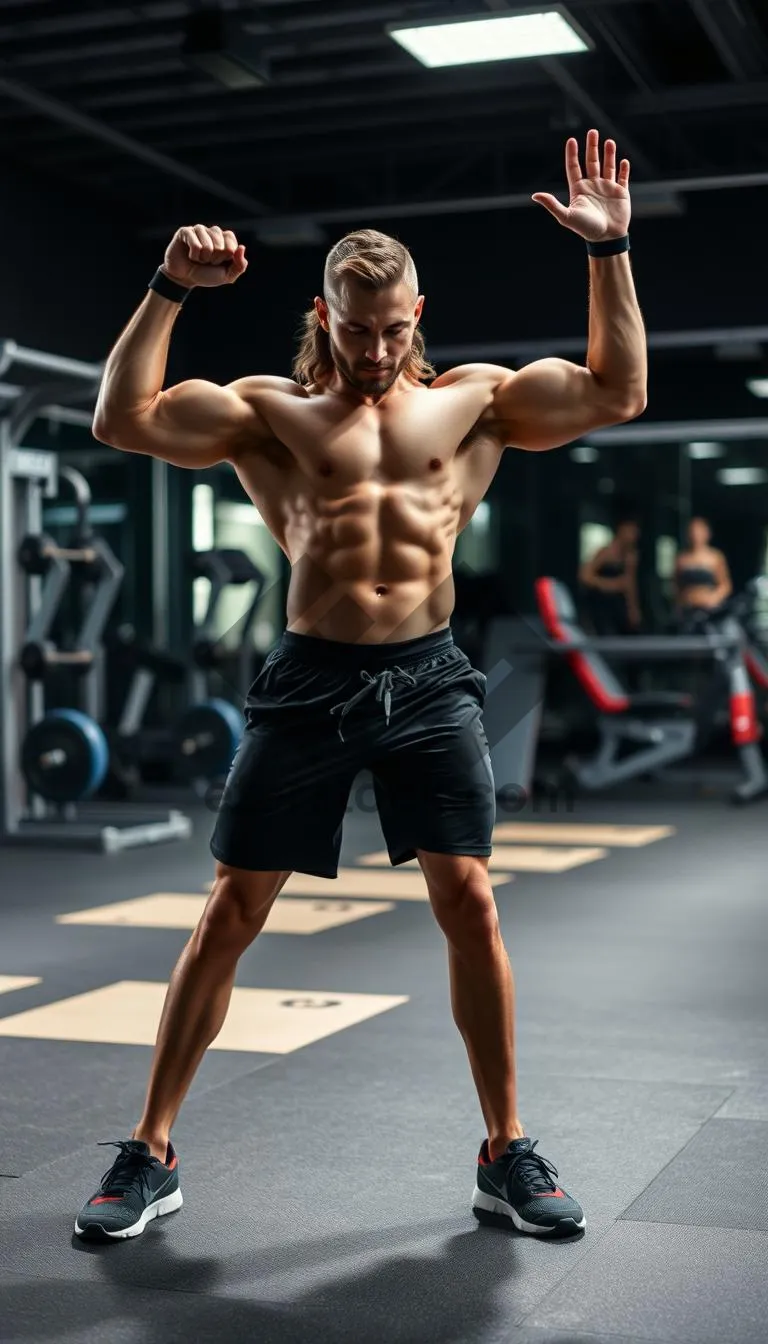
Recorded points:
(108, 1199)
(551, 1194)
(174, 1164)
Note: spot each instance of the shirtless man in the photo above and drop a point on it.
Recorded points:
(365, 476)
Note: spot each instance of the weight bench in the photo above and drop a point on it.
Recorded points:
(659, 724)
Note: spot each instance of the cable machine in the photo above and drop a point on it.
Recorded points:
(51, 764)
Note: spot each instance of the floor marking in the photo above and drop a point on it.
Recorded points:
(404, 883)
(568, 833)
(520, 859)
(10, 982)
(268, 1021)
(181, 910)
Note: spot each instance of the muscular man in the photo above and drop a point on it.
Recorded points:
(365, 476)
(610, 580)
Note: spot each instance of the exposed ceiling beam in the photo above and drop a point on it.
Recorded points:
(369, 82)
(39, 57)
(697, 98)
(465, 205)
(626, 145)
(69, 116)
(725, 49)
(97, 19)
(102, 17)
(442, 117)
(562, 75)
(303, 146)
(714, 337)
(579, 96)
(624, 50)
(640, 70)
(432, 152)
(654, 102)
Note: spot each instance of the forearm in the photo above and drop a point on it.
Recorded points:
(617, 354)
(135, 370)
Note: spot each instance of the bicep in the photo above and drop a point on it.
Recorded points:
(194, 424)
(552, 402)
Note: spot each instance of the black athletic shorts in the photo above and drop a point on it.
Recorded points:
(320, 712)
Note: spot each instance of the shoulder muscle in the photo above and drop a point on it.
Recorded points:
(489, 374)
(255, 385)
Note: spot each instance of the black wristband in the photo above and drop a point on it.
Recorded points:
(167, 288)
(611, 248)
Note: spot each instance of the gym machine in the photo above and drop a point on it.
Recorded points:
(739, 607)
(134, 744)
(714, 705)
(208, 734)
(743, 609)
(51, 764)
(640, 734)
(200, 745)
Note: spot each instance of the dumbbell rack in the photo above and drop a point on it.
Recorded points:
(27, 476)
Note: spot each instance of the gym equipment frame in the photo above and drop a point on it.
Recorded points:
(27, 477)
(661, 726)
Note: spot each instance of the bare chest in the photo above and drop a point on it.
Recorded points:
(415, 436)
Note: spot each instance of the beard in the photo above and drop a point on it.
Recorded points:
(370, 385)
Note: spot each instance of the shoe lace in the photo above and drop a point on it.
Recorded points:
(128, 1167)
(533, 1170)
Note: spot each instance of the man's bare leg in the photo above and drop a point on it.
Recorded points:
(482, 987)
(199, 992)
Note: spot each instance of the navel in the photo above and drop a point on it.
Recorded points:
(381, 590)
(435, 464)
(325, 469)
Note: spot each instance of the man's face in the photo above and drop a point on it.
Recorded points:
(371, 333)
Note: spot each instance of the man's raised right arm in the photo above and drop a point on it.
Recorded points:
(196, 423)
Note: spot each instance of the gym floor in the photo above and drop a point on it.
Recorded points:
(328, 1144)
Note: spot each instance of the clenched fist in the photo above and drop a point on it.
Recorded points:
(206, 256)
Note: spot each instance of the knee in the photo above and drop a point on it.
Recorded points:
(466, 910)
(236, 911)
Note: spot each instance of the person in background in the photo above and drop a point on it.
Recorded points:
(702, 577)
(609, 580)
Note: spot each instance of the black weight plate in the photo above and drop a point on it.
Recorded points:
(65, 756)
(207, 737)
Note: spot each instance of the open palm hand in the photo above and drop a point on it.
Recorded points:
(599, 207)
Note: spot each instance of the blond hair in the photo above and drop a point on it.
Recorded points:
(376, 262)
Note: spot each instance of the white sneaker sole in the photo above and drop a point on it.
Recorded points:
(169, 1204)
(493, 1208)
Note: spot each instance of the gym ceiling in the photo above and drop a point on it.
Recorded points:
(334, 119)
(332, 123)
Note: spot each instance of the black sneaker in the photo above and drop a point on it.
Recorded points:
(516, 1190)
(136, 1189)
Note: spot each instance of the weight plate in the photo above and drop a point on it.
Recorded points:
(65, 756)
(207, 737)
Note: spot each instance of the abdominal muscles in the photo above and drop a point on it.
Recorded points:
(373, 565)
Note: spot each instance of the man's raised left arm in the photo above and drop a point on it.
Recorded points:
(553, 401)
